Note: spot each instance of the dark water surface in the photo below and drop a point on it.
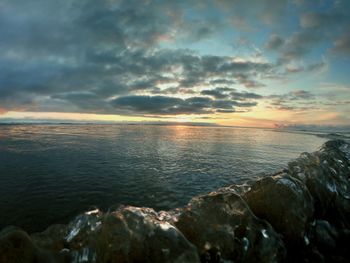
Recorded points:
(50, 173)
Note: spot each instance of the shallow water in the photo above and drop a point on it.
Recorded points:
(50, 173)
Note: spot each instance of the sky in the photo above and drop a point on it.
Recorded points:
(261, 63)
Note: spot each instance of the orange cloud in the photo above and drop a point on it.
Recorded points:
(2, 111)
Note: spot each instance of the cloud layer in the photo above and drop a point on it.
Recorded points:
(159, 57)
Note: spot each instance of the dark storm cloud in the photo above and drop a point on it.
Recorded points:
(244, 95)
(218, 93)
(128, 72)
(172, 90)
(163, 105)
(229, 93)
(190, 69)
(227, 111)
(148, 104)
(222, 82)
(80, 54)
(229, 104)
(245, 66)
(49, 47)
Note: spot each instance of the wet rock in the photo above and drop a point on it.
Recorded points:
(129, 234)
(285, 203)
(52, 239)
(326, 174)
(328, 242)
(223, 227)
(17, 247)
(138, 235)
(240, 189)
(325, 236)
(343, 242)
(312, 255)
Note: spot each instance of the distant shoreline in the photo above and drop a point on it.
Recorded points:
(342, 135)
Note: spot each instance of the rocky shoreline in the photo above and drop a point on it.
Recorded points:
(301, 214)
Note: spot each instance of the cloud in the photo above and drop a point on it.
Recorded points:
(316, 28)
(299, 45)
(232, 97)
(312, 67)
(227, 111)
(249, 12)
(245, 95)
(275, 42)
(294, 95)
(163, 105)
(319, 66)
(158, 105)
(222, 82)
(150, 105)
(248, 82)
(300, 94)
(217, 93)
(128, 72)
(107, 56)
(321, 20)
(342, 44)
(294, 100)
(2, 111)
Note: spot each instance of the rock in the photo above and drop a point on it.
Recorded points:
(138, 235)
(304, 209)
(311, 256)
(240, 189)
(325, 236)
(52, 239)
(129, 234)
(326, 174)
(285, 203)
(17, 247)
(222, 227)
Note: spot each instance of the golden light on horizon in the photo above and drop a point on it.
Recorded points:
(260, 117)
(221, 119)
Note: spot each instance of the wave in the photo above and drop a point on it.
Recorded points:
(300, 214)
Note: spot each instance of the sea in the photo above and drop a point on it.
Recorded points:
(49, 173)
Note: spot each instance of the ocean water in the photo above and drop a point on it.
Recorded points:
(50, 173)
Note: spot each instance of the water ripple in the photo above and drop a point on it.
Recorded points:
(49, 173)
